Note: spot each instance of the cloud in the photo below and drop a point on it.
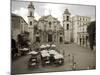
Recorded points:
(56, 10)
(22, 12)
(37, 16)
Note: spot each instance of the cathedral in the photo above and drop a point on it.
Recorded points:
(48, 28)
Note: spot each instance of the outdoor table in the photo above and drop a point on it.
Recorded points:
(45, 57)
(58, 56)
(24, 51)
(45, 53)
(47, 46)
(33, 54)
(33, 62)
(59, 59)
(53, 46)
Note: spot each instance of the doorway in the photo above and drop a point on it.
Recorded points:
(37, 39)
(61, 40)
(49, 37)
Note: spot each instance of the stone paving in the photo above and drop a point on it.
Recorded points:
(84, 58)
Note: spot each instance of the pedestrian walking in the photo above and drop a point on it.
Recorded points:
(64, 53)
(74, 66)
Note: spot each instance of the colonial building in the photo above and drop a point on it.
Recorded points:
(80, 34)
(50, 30)
(46, 29)
(18, 25)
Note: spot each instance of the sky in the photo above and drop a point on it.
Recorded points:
(54, 9)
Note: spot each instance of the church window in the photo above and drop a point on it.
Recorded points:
(30, 22)
(44, 27)
(80, 18)
(83, 19)
(37, 32)
(60, 33)
(67, 18)
(50, 24)
(22, 21)
(67, 27)
(30, 13)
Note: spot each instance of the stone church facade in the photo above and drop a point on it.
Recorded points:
(49, 29)
(46, 29)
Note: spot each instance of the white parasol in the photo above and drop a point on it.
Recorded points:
(53, 52)
(33, 52)
(24, 49)
(47, 45)
(42, 46)
(58, 56)
(53, 45)
(45, 53)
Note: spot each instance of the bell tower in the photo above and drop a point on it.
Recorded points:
(31, 10)
(31, 20)
(67, 26)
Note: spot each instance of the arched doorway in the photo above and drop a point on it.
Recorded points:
(49, 37)
(86, 40)
(37, 39)
(80, 40)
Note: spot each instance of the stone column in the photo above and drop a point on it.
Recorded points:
(85, 40)
(78, 40)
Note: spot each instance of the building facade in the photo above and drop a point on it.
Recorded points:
(18, 25)
(80, 34)
(50, 30)
(46, 29)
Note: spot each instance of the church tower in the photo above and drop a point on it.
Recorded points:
(31, 21)
(67, 26)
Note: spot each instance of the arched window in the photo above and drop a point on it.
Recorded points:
(30, 13)
(30, 22)
(67, 27)
(67, 18)
(50, 24)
